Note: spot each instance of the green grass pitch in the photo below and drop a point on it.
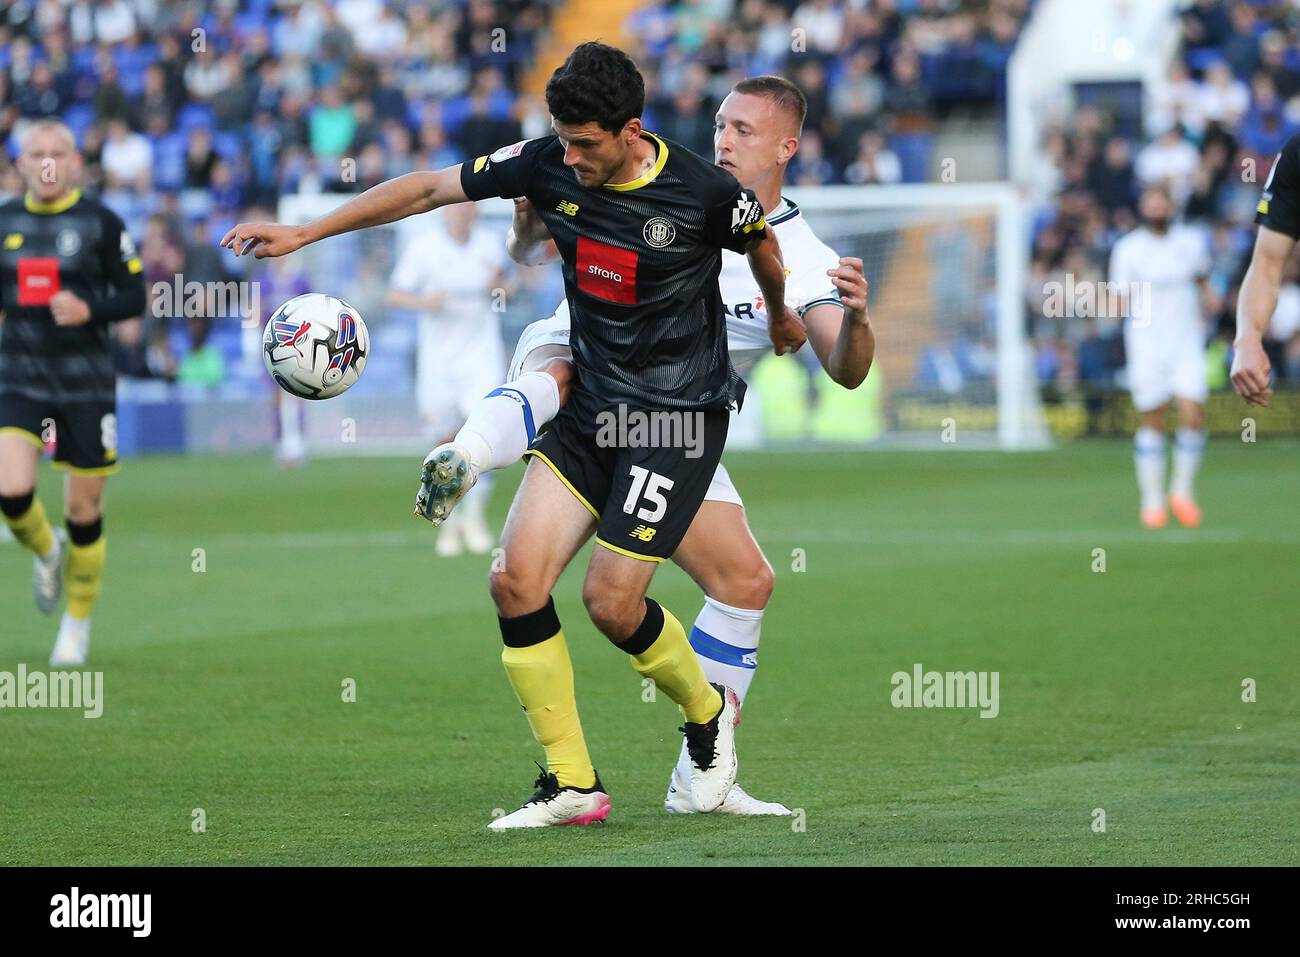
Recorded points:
(1119, 690)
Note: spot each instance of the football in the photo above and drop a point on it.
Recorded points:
(315, 346)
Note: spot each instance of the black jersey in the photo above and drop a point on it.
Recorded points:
(641, 264)
(78, 245)
(1279, 207)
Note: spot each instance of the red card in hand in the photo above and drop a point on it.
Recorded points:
(38, 280)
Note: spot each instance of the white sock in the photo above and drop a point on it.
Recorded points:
(1149, 458)
(473, 507)
(725, 640)
(1189, 444)
(293, 445)
(503, 423)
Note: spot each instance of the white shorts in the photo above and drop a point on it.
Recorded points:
(554, 331)
(1163, 367)
(449, 385)
(721, 489)
(551, 331)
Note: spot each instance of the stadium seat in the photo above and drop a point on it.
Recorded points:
(193, 116)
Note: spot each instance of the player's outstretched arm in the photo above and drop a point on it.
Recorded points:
(1255, 305)
(785, 329)
(388, 202)
(841, 335)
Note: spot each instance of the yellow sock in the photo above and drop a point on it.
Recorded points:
(85, 573)
(671, 662)
(542, 677)
(32, 529)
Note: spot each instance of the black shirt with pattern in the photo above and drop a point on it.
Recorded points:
(641, 262)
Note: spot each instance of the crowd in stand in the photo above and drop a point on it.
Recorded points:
(197, 113)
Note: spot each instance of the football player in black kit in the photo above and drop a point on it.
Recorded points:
(640, 223)
(68, 270)
(1278, 216)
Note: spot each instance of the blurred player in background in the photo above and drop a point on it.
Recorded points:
(282, 280)
(67, 270)
(756, 134)
(1278, 216)
(453, 277)
(1163, 267)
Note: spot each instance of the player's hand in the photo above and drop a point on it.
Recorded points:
(68, 309)
(1250, 372)
(850, 279)
(786, 330)
(264, 239)
(527, 224)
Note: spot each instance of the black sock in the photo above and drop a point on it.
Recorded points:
(86, 534)
(14, 505)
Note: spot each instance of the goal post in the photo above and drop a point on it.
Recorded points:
(947, 265)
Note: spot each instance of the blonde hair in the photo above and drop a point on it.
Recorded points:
(45, 126)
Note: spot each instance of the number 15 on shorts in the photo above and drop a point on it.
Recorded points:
(650, 486)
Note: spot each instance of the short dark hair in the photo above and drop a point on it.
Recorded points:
(786, 95)
(597, 84)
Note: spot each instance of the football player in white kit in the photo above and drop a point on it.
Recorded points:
(1164, 265)
(460, 356)
(756, 134)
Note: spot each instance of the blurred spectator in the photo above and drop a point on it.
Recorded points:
(1170, 159)
(127, 157)
(874, 163)
(202, 365)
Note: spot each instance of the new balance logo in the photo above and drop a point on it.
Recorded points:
(568, 209)
(643, 533)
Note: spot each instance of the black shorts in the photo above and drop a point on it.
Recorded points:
(84, 433)
(642, 474)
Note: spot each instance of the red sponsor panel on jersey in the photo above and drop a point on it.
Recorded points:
(606, 272)
(38, 280)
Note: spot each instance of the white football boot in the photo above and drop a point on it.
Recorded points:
(47, 574)
(447, 475)
(712, 748)
(73, 644)
(737, 801)
(553, 806)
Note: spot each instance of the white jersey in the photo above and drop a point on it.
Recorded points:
(1160, 273)
(466, 330)
(806, 258)
(464, 273)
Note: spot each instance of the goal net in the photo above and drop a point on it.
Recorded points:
(946, 265)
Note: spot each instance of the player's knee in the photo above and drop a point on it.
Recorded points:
(753, 587)
(514, 592)
(83, 509)
(614, 615)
